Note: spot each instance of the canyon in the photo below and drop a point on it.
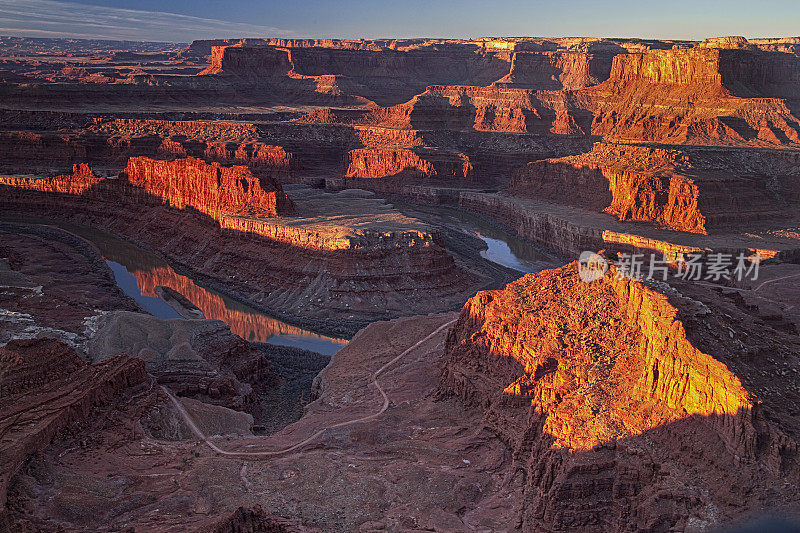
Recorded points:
(608, 391)
(368, 262)
(278, 284)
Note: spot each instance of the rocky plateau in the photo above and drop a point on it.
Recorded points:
(183, 227)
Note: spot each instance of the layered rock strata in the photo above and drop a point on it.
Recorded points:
(696, 191)
(390, 76)
(200, 359)
(607, 391)
(461, 107)
(212, 189)
(208, 188)
(718, 97)
(368, 262)
(409, 166)
(49, 391)
(700, 96)
(572, 230)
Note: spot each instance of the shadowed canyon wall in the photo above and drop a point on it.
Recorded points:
(696, 191)
(331, 276)
(601, 392)
(47, 390)
(390, 76)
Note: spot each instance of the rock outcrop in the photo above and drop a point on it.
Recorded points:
(208, 187)
(385, 76)
(390, 75)
(368, 262)
(47, 390)
(619, 405)
(494, 109)
(110, 143)
(700, 96)
(255, 519)
(408, 165)
(714, 96)
(201, 359)
(607, 391)
(697, 191)
(568, 70)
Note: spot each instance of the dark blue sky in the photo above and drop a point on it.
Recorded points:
(182, 20)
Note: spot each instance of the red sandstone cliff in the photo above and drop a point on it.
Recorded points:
(390, 76)
(623, 403)
(330, 275)
(210, 188)
(408, 165)
(48, 390)
(110, 143)
(700, 96)
(386, 76)
(556, 70)
(490, 109)
(683, 96)
(687, 190)
(249, 61)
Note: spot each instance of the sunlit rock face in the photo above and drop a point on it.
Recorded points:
(604, 360)
(407, 165)
(606, 398)
(699, 96)
(681, 96)
(210, 188)
(364, 260)
(699, 191)
(498, 109)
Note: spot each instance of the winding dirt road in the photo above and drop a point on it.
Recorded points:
(196, 430)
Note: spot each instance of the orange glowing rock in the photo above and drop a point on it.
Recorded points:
(622, 400)
(210, 188)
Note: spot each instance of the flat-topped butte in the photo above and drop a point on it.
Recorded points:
(351, 219)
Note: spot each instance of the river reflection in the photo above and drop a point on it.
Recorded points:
(503, 247)
(139, 272)
(498, 251)
(130, 286)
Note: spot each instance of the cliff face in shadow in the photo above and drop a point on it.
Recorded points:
(700, 191)
(49, 391)
(327, 276)
(624, 405)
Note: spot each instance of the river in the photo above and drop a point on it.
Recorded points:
(139, 272)
(503, 247)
